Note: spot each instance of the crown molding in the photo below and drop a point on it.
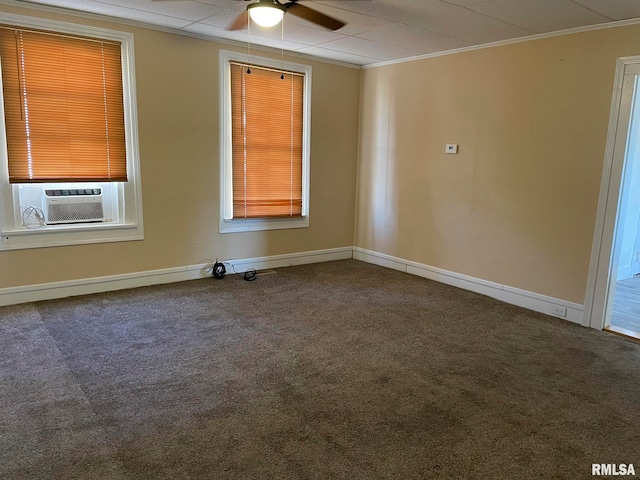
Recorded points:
(527, 38)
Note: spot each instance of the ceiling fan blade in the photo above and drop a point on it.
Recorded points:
(314, 16)
(240, 22)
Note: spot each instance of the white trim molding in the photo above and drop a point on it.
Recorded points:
(601, 278)
(227, 223)
(291, 259)
(85, 286)
(128, 226)
(514, 296)
(510, 41)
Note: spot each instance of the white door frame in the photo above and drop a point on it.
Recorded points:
(601, 267)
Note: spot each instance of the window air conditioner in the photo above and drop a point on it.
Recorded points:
(73, 205)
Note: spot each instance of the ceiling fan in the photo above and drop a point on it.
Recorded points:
(268, 13)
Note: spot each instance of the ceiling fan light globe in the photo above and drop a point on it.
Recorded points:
(266, 16)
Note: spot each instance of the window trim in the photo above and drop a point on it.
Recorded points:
(227, 224)
(130, 227)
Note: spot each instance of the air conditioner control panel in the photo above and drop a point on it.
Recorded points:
(72, 192)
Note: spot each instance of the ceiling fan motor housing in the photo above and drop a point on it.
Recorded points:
(270, 7)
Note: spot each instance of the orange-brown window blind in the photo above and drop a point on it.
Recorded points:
(267, 116)
(63, 104)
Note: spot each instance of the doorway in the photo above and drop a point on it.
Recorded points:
(625, 292)
(613, 290)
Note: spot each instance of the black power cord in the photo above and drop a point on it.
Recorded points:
(219, 270)
(250, 275)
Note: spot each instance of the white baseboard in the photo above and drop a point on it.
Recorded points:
(48, 291)
(514, 296)
(290, 259)
(505, 293)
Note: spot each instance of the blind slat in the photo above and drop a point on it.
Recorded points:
(64, 111)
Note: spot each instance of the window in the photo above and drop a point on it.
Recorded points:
(68, 156)
(265, 144)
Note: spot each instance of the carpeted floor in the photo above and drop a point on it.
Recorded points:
(340, 370)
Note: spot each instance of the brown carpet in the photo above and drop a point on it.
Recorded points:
(337, 370)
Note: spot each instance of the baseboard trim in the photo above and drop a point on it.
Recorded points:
(84, 286)
(290, 259)
(514, 296)
(505, 293)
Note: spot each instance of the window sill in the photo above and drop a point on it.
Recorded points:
(59, 235)
(260, 224)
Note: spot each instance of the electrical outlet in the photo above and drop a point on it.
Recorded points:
(559, 311)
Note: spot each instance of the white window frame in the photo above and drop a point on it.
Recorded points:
(129, 225)
(227, 223)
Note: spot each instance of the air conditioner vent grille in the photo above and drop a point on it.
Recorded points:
(74, 212)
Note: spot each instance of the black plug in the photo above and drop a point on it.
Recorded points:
(219, 270)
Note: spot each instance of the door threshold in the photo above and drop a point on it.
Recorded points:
(623, 332)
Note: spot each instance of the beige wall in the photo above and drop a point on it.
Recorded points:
(517, 204)
(177, 92)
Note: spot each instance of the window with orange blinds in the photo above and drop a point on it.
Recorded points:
(63, 106)
(266, 141)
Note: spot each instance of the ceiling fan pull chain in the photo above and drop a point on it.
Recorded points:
(249, 44)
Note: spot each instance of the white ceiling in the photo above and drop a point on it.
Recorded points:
(376, 30)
